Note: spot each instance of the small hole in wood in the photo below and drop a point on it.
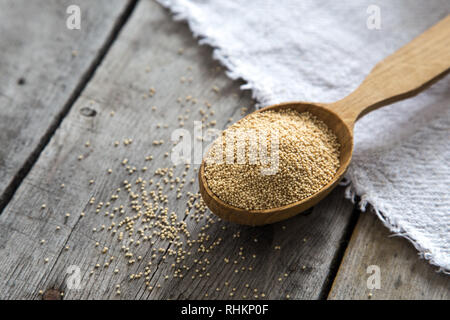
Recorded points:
(21, 81)
(88, 112)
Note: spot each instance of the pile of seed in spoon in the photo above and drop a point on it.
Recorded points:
(307, 159)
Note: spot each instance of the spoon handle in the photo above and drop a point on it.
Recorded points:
(401, 75)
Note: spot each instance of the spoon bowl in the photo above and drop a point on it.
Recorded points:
(403, 74)
(266, 216)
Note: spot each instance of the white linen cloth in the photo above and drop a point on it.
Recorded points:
(320, 51)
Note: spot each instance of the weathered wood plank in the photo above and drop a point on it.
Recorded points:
(403, 274)
(43, 65)
(147, 54)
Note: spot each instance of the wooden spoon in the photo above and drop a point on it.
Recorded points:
(403, 74)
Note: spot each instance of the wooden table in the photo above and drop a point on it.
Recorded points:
(67, 95)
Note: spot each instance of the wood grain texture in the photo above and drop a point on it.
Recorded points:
(403, 274)
(151, 51)
(42, 65)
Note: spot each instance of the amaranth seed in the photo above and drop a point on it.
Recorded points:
(308, 159)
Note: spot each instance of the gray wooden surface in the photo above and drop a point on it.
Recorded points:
(43, 65)
(121, 85)
(403, 274)
(154, 73)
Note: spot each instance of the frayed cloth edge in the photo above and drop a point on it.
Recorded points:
(181, 14)
(364, 203)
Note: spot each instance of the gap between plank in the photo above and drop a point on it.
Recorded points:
(86, 77)
(340, 253)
